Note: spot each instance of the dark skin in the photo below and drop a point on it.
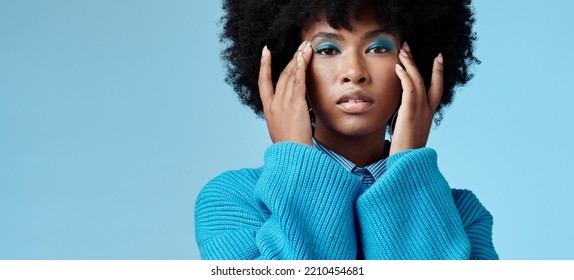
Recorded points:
(354, 81)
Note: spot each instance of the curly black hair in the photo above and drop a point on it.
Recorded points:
(430, 27)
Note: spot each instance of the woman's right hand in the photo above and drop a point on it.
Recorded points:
(285, 107)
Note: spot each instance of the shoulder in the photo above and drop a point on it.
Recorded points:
(230, 191)
(228, 185)
(226, 203)
(469, 206)
(244, 176)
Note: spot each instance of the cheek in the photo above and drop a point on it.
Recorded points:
(388, 86)
(393, 90)
(388, 77)
(319, 78)
(394, 84)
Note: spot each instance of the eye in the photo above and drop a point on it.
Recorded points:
(378, 49)
(327, 51)
(381, 46)
(327, 48)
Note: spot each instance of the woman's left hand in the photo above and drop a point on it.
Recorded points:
(416, 113)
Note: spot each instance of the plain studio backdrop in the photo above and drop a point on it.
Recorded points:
(114, 114)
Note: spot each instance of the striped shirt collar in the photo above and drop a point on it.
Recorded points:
(377, 169)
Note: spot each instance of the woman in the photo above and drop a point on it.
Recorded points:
(331, 187)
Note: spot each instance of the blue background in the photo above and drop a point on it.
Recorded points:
(114, 114)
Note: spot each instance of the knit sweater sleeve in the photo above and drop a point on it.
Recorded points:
(410, 213)
(295, 207)
(477, 222)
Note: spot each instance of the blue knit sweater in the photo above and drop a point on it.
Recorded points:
(303, 205)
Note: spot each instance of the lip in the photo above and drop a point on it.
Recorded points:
(355, 102)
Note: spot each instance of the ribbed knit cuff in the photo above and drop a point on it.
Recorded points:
(409, 213)
(311, 200)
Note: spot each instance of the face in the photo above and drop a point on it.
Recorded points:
(351, 81)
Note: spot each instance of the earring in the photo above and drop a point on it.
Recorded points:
(393, 123)
(308, 102)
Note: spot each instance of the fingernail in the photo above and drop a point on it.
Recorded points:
(404, 53)
(307, 47)
(299, 56)
(406, 47)
(264, 52)
(399, 67)
(439, 58)
(301, 46)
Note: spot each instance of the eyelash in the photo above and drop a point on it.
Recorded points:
(327, 50)
(331, 50)
(378, 47)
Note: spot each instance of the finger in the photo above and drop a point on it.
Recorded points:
(288, 93)
(293, 65)
(265, 79)
(283, 80)
(436, 86)
(406, 58)
(299, 85)
(285, 76)
(407, 85)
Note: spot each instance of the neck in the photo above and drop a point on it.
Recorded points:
(361, 150)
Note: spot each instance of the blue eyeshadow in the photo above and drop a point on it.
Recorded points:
(385, 43)
(326, 45)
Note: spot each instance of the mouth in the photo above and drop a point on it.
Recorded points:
(355, 102)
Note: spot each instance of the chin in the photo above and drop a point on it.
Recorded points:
(356, 126)
(360, 130)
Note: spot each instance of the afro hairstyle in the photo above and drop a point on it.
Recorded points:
(430, 27)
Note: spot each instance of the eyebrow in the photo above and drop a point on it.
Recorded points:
(328, 35)
(374, 34)
(334, 36)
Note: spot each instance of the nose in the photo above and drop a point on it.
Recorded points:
(353, 69)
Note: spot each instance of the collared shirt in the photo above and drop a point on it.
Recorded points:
(375, 170)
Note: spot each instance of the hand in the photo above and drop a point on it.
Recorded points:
(418, 106)
(285, 108)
